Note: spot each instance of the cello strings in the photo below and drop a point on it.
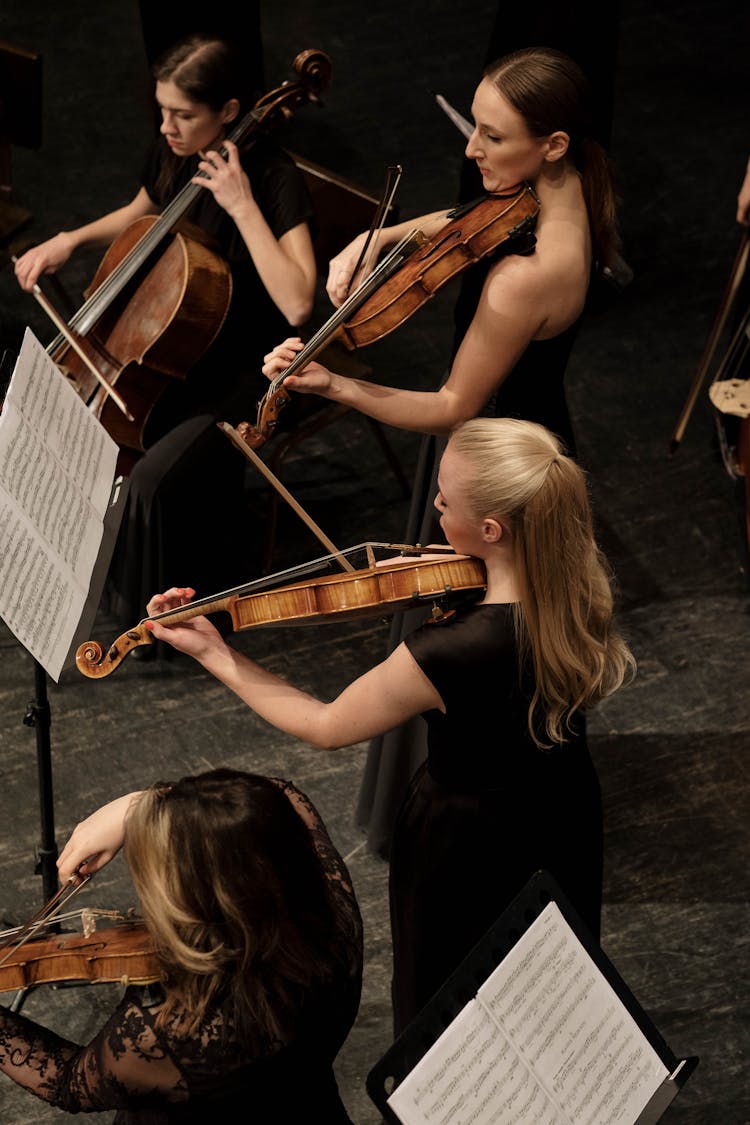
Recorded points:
(92, 308)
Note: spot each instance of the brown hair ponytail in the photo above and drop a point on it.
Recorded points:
(551, 93)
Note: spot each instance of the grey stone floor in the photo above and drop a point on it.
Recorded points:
(672, 749)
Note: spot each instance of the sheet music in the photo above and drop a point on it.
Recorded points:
(547, 1040)
(473, 1076)
(570, 1025)
(57, 464)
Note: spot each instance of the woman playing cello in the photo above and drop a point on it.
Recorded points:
(259, 955)
(255, 208)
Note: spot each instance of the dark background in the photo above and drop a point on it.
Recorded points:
(672, 750)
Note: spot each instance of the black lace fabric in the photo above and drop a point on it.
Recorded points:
(159, 1075)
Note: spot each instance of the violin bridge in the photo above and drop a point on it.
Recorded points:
(88, 922)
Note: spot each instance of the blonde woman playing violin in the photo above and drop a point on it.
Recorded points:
(508, 786)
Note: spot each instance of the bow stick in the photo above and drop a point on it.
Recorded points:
(63, 329)
(464, 127)
(727, 301)
(392, 178)
(284, 493)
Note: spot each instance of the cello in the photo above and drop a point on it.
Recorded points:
(160, 295)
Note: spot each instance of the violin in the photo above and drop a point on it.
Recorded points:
(160, 296)
(123, 954)
(376, 590)
(405, 279)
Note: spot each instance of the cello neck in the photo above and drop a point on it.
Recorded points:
(91, 310)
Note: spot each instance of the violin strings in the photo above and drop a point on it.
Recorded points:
(381, 273)
(43, 917)
(68, 916)
(300, 570)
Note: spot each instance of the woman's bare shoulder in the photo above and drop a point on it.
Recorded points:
(549, 287)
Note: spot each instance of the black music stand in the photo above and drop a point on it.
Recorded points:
(39, 714)
(461, 988)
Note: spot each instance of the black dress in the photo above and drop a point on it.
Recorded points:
(184, 522)
(534, 391)
(158, 1076)
(487, 809)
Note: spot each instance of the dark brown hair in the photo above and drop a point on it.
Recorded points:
(551, 93)
(208, 70)
(205, 68)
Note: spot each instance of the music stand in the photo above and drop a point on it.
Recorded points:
(39, 713)
(460, 991)
(93, 572)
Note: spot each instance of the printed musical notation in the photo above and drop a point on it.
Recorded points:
(57, 464)
(546, 1041)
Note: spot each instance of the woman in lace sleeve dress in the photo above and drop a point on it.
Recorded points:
(259, 953)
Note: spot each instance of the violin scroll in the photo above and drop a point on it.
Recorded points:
(93, 662)
(269, 410)
(375, 591)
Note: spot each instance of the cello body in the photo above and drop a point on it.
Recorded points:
(161, 294)
(153, 332)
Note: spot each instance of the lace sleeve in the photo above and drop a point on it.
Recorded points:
(339, 879)
(125, 1062)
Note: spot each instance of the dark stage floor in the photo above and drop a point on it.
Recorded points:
(672, 749)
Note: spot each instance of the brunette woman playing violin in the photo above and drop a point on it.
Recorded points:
(255, 208)
(259, 953)
(508, 786)
(530, 125)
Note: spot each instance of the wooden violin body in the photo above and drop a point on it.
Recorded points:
(372, 592)
(414, 271)
(474, 231)
(123, 953)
